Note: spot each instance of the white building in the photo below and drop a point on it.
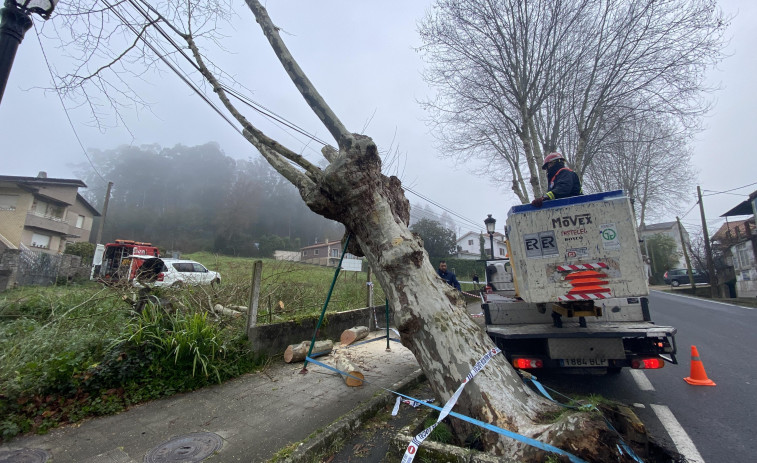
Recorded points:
(745, 269)
(469, 247)
(670, 229)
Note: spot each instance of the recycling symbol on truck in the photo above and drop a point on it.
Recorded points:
(609, 234)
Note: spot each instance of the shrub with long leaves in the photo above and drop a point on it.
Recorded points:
(186, 338)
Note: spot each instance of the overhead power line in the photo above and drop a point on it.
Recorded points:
(464, 219)
(712, 192)
(65, 110)
(463, 222)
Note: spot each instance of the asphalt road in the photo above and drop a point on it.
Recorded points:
(721, 420)
(712, 424)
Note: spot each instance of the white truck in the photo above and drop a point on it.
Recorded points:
(573, 292)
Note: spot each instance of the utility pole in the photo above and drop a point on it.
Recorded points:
(708, 249)
(686, 256)
(105, 213)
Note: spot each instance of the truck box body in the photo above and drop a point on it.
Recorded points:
(574, 249)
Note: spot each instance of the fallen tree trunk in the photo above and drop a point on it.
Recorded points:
(353, 334)
(429, 314)
(342, 363)
(298, 352)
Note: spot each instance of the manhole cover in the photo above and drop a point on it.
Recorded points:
(190, 448)
(24, 456)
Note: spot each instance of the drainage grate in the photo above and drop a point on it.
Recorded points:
(189, 448)
(24, 456)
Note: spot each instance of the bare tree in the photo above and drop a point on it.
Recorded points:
(494, 63)
(351, 189)
(562, 75)
(650, 160)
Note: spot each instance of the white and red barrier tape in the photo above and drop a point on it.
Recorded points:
(412, 448)
(412, 403)
(487, 426)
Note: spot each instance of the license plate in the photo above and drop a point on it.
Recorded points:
(583, 362)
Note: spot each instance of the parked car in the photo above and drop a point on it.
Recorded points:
(680, 276)
(158, 271)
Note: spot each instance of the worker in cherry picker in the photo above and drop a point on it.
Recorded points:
(563, 182)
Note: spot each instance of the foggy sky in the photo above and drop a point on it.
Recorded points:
(360, 56)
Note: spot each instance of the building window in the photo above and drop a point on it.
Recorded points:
(335, 253)
(470, 242)
(304, 253)
(743, 256)
(8, 202)
(501, 251)
(80, 221)
(315, 252)
(40, 241)
(47, 210)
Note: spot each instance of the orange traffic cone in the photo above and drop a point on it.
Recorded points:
(698, 375)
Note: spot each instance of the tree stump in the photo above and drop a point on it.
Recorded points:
(298, 352)
(353, 334)
(342, 363)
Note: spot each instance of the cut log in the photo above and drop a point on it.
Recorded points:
(342, 363)
(219, 309)
(298, 352)
(353, 334)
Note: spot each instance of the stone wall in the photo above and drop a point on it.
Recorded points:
(9, 268)
(273, 339)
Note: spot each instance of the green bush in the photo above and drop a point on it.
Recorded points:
(70, 352)
(82, 249)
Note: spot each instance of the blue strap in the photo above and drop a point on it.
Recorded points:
(622, 446)
(490, 427)
(381, 338)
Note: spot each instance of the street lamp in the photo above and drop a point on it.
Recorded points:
(15, 22)
(490, 222)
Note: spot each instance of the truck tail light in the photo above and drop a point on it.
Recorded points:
(524, 363)
(160, 276)
(647, 364)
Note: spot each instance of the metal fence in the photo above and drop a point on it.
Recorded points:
(37, 268)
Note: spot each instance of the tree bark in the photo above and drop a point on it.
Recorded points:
(342, 363)
(353, 334)
(298, 352)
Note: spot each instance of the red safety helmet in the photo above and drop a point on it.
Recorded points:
(551, 157)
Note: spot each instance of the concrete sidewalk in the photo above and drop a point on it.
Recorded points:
(255, 415)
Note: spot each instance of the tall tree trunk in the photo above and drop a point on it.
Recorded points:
(429, 314)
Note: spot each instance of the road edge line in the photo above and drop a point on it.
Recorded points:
(641, 380)
(681, 439)
(701, 299)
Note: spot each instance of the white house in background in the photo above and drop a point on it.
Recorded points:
(670, 229)
(468, 246)
(293, 256)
